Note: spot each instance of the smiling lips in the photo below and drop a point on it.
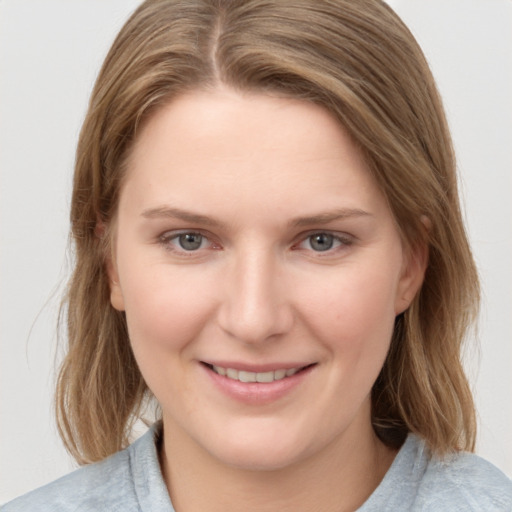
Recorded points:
(261, 377)
(256, 386)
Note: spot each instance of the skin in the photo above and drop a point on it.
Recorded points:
(258, 177)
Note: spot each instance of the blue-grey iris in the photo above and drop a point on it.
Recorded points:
(190, 241)
(321, 241)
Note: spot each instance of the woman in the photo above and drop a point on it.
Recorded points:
(269, 245)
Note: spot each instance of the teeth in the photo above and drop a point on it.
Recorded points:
(244, 376)
(265, 377)
(279, 374)
(232, 374)
(220, 370)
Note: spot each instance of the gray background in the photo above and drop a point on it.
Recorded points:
(50, 52)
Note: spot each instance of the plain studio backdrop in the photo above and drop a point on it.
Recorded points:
(50, 53)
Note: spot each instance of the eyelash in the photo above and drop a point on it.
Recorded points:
(167, 241)
(340, 241)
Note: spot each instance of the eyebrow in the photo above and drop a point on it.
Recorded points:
(329, 216)
(164, 212)
(197, 218)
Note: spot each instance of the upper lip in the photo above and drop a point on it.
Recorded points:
(257, 368)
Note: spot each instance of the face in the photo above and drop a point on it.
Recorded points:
(261, 271)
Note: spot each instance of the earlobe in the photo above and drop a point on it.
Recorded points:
(116, 295)
(413, 273)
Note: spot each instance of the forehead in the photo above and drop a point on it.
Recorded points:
(227, 146)
(273, 123)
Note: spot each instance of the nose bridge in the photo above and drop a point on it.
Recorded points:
(255, 306)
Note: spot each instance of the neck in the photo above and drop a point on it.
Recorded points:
(339, 478)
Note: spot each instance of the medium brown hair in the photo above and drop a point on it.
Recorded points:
(357, 60)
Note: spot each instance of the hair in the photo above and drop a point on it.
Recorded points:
(360, 62)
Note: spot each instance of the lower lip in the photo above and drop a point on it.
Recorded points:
(257, 393)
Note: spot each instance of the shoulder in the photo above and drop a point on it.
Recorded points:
(468, 480)
(88, 488)
(421, 482)
(118, 483)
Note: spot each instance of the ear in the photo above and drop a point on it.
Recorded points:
(411, 278)
(116, 295)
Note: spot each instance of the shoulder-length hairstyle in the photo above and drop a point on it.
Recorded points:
(357, 60)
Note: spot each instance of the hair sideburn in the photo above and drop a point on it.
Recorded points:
(359, 61)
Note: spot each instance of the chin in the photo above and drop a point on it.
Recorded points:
(253, 458)
(260, 450)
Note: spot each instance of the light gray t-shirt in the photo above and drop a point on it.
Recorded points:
(131, 481)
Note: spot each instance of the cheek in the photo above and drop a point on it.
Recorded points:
(165, 313)
(354, 311)
(164, 307)
(353, 318)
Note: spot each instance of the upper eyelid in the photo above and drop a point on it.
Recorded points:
(345, 241)
(336, 234)
(173, 233)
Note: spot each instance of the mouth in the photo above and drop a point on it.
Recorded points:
(260, 377)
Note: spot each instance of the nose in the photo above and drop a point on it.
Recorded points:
(255, 305)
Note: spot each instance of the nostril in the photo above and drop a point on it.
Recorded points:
(252, 323)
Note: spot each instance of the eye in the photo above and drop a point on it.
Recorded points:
(324, 242)
(321, 241)
(189, 241)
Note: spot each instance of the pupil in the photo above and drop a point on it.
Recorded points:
(190, 241)
(321, 242)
